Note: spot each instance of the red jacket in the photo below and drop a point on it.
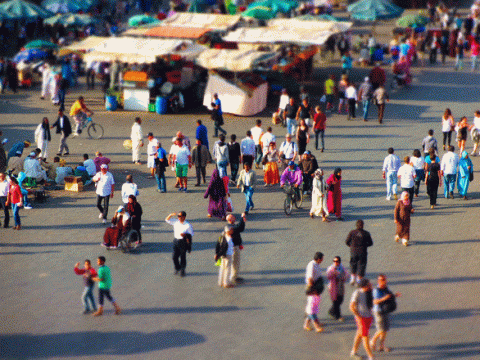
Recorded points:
(15, 194)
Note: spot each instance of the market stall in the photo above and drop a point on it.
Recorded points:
(237, 60)
(209, 21)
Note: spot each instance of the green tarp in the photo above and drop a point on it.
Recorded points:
(371, 10)
(20, 9)
(75, 20)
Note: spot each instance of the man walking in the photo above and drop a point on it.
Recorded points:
(247, 180)
(358, 240)
(129, 188)
(182, 241)
(449, 165)
(105, 188)
(289, 116)
(202, 133)
(313, 271)
(88, 274)
(247, 148)
(183, 161)
(351, 96)
(266, 139)
(4, 190)
(200, 158)
(151, 151)
(161, 163)
(65, 129)
(234, 154)
(364, 95)
(319, 124)
(407, 176)
(257, 133)
(104, 280)
(380, 96)
(136, 135)
(391, 164)
(217, 115)
(429, 142)
(237, 245)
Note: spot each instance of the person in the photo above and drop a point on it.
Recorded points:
(311, 311)
(220, 153)
(402, 213)
(121, 224)
(217, 194)
(289, 116)
(391, 164)
(4, 191)
(460, 50)
(364, 95)
(359, 240)
(64, 128)
(135, 210)
(475, 133)
(334, 199)
(100, 160)
(15, 200)
(377, 76)
(161, 164)
(342, 87)
(463, 127)
(104, 279)
(17, 149)
(15, 164)
(183, 162)
(224, 251)
(46, 70)
(257, 133)
(217, 115)
(200, 158)
(237, 245)
(201, 133)
(79, 111)
(382, 320)
(302, 136)
(62, 171)
(247, 148)
(81, 171)
(449, 167)
(313, 271)
(234, 154)
(351, 96)
(319, 124)
(270, 158)
(433, 177)
(129, 188)
(284, 101)
(88, 272)
(347, 63)
(43, 137)
(330, 90)
(288, 151)
(465, 174)
(151, 151)
(136, 136)
(308, 164)
(304, 112)
(89, 165)
(182, 242)
(337, 275)
(429, 142)
(3, 154)
(33, 169)
(361, 305)
(319, 196)
(407, 176)
(419, 167)
(293, 177)
(247, 181)
(105, 185)
(448, 124)
(380, 96)
(266, 139)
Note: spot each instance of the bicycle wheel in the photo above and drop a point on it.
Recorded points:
(95, 131)
(299, 200)
(287, 205)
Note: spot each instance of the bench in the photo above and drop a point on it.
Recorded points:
(73, 183)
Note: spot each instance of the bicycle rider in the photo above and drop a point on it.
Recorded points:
(294, 177)
(79, 111)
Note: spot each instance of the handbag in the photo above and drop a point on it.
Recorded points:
(229, 204)
(470, 177)
(389, 305)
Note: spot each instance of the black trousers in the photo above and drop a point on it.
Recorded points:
(179, 253)
(234, 171)
(90, 79)
(351, 108)
(358, 264)
(6, 220)
(200, 170)
(103, 209)
(432, 191)
(335, 309)
(248, 159)
(410, 191)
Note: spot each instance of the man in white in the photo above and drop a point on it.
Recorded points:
(183, 161)
(32, 168)
(313, 271)
(407, 176)
(475, 132)
(288, 149)
(448, 166)
(46, 80)
(129, 188)
(266, 139)
(351, 95)
(151, 151)
(284, 100)
(137, 140)
(391, 164)
(4, 189)
(89, 165)
(247, 148)
(105, 185)
(257, 132)
(182, 240)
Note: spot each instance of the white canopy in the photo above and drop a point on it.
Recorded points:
(233, 60)
(311, 25)
(87, 43)
(210, 21)
(267, 35)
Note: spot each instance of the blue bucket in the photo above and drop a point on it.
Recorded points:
(111, 103)
(161, 105)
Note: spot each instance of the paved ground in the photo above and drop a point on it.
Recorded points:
(167, 317)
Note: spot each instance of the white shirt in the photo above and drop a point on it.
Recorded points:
(230, 245)
(267, 138)
(247, 146)
(152, 147)
(129, 189)
(104, 183)
(284, 100)
(417, 163)
(32, 168)
(447, 124)
(313, 271)
(174, 149)
(288, 149)
(449, 163)
(391, 163)
(407, 176)
(476, 122)
(91, 168)
(256, 133)
(179, 228)
(4, 188)
(182, 155)
(136, 134)
(247, 179)
(351, 92)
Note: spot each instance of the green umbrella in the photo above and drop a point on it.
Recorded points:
(40, 44)
(138, 20)
(413, 20)
(260, 13)
(283, 6)
(323, 17)
(76, 20)
(20, 9)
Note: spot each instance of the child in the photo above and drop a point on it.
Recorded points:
(311, 310)
(88, 272)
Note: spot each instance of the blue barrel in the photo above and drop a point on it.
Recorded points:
(161, 105)
(111, 103)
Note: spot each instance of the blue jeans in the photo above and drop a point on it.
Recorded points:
(474, 62)
(234, 170)
(449, 184)
(248, 197)
(366, 106)
(258, 154)
(217, 128)
(321, 133)
(16, 215)
(222, 168)
(161, 184)
(291, 126)
(391, 183)
(87, 297)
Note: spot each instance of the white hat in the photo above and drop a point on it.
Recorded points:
(104, 166)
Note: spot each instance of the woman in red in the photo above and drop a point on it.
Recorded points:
(15, 200)
(334, 199)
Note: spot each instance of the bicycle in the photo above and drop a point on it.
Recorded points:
(94, 130)
(294, 197)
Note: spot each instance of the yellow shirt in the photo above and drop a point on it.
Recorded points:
(329, 86)
(76, 107)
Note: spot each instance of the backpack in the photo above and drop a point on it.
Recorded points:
(389, 305)
(317, 286)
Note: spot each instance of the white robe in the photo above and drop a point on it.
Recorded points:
(42, 143)
(319, 203)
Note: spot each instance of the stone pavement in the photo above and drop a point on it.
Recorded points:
(168, 317)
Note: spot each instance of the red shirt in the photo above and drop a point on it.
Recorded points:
(15, 194)
(319, 121)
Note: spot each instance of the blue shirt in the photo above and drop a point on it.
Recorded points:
(202, 135)
(219, 103)
(346, 62)
(378, 294)
(16, 147)
(162, 154)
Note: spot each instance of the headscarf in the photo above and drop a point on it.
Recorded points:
(404, 199)
(46, 130)
(318, 174)
(216, 188)
(337, 172)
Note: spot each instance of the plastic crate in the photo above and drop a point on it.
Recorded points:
(151, 107)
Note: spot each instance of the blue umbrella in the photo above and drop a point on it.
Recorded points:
(30, 55)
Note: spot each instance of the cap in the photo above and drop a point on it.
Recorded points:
(307, 152)
(32, 154)
(149, 134)
(104, 166)
(367, 78)
(290, 163)
(120, 209)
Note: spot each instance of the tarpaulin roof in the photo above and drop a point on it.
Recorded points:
(176, 32)
(70, 20)
(233, 60)
(209, 21)
(371, 10)
(310, 25)
(20, 9)
(88, 43)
